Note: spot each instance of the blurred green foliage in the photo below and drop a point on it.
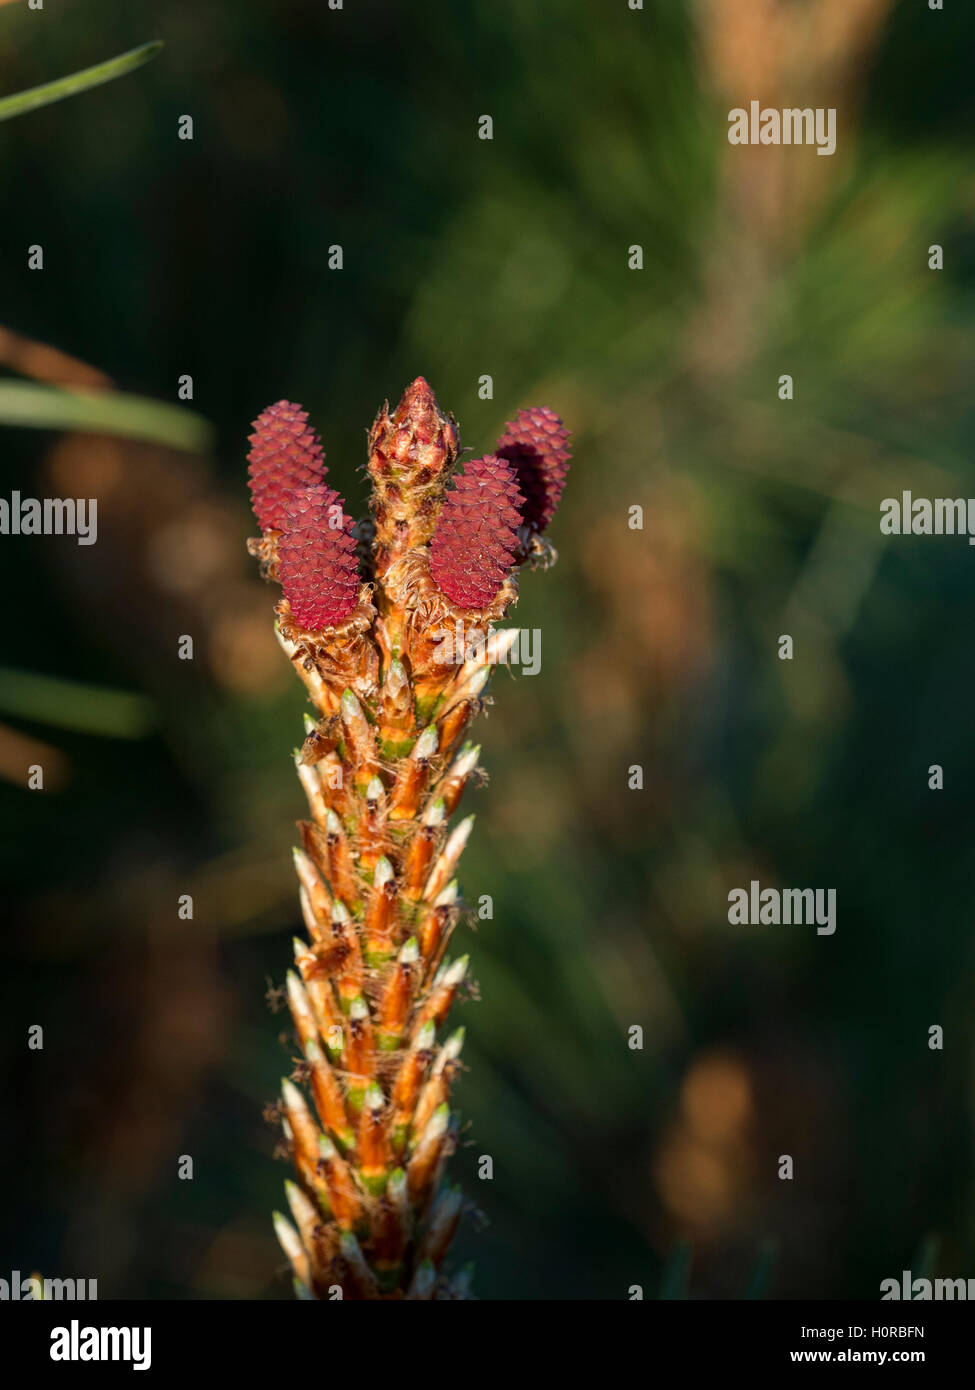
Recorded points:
(463, 258)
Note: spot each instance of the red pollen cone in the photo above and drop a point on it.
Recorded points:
(317, 562)
(536, 444)
(476, 534)
(286, 454)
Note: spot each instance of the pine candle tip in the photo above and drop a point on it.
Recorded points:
(417, 439)
(418, 410)
(417, 396)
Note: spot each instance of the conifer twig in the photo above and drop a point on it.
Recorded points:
(390, 629)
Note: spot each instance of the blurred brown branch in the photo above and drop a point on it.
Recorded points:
(45, 363)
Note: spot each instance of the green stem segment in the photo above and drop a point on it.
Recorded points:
(20, 102)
